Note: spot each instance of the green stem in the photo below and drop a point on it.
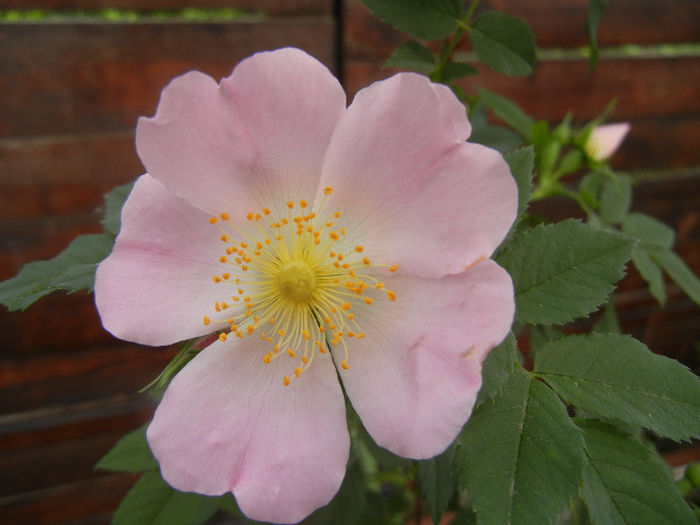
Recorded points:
(554, 189)
(452, 42)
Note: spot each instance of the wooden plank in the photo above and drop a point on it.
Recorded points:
(643, 87)
(29, 383)
(648, 93)
(63, 503)
(561, 23)
(99, 77)
(56, 323)
(271, 7)
(555, 23)
(39, 459)
(63, 174)
(40, 238)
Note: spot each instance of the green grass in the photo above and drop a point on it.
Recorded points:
(190, 14)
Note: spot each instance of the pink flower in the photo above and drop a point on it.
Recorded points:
(322, 243)
(604, 140)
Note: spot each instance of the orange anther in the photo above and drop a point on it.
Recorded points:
(328, 190)
(224, 216)
(214, 220)
(206, 320)
(394, 268)
(344, 364)
(222, 337)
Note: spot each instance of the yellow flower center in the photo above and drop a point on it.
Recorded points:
(295, 282)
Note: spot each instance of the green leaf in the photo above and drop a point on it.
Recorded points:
(679, 272)
(608, 322)
(509, 112)
(563, 271)
(454, 70)
(522, 440)
(616, 376)
(651, 273)
(624, 483)
(71, 270)
(651, 232)
(347, 505)
(522, 163)
(615, 198)
(497, 366)
(130, 454)
(570, 162)
(114, 200)
(497, 137)
(596, 8)
(436, 480)
(413, 56)
(153, 502)
(427, 19)
(504, 43)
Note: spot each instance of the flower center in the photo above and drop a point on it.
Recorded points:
(296, 282)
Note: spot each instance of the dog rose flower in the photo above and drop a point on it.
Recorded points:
(604, 140)
(321, 243)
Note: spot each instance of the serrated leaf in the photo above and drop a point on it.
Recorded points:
(71, 270)
(651, 232)
(651, 273)
(615, 198)
(454, 70)
(114, 200)
(413, 56)
(563, 271)
(347, 505)
(153, 502)
(608, 321)
(509, 112)
(522, 163)
(437, 480)
(504, 43)
(130, 454)
(427, 19)
(521, 440)
(679, 272)
(625, 484)
(596, 8)
(616, 376)
(497, 366)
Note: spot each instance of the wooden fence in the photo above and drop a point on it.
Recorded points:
(70, 94)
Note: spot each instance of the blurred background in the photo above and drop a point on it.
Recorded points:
(76, 74)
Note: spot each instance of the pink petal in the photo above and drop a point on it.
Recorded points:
(416, 193)
(254, 141)
(414, 377)
(605, 140)
(156, 285)
(227, 423)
